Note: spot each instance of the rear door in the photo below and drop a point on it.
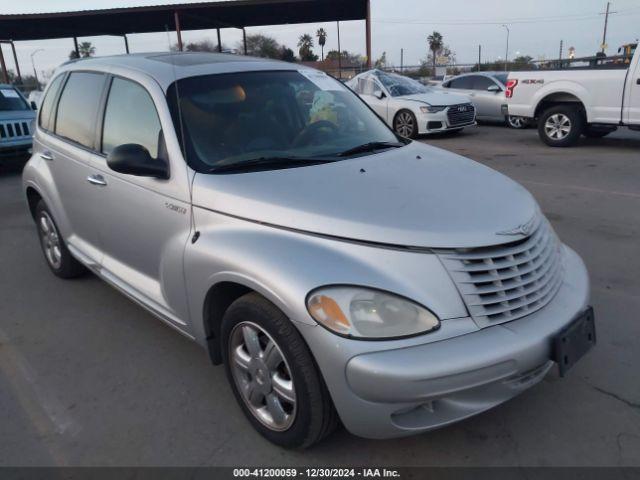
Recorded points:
(64, 145)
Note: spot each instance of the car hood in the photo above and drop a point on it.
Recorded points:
(438, 98)
(17, 114)
(415, 196)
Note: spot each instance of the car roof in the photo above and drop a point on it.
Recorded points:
(166, 67)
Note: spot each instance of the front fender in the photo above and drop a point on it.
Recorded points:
(284, 266)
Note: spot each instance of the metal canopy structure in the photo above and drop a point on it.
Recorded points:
(178, 17)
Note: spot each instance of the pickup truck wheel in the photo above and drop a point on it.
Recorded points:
(405, 124)
(273, 375)
(595, 132)
(56, 253)
(561, 126)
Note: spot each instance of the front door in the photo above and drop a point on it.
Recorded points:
(145, 222)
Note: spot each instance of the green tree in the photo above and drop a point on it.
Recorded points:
(85, 49)
(382, 61)
(287, 55)
(259, 45)
(322, 39)
(436, 44)
(305, 45)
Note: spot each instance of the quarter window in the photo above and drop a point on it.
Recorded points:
(78, 107)
(46, 108)
(130, 117)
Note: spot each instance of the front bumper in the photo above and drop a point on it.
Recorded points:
(395, 390)
(432, 123)
(9, 148)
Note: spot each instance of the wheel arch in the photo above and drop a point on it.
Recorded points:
(559, 98)
(33, 197)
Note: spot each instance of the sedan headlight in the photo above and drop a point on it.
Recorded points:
(366, 313)
(432, 109)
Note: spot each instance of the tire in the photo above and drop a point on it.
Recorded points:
(280, 352)
(405, 124)
(595, 132)
(517, 123)
(55, 251)
(561, 126)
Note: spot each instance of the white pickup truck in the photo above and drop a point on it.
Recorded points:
(577, 101)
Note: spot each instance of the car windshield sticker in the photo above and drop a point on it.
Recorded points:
(321, 80)
(9, 93)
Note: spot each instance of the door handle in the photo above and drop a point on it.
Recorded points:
(97, 180)
(46, 156)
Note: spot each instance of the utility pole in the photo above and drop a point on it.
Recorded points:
(401, 60)
(506, 55)
(561, 45)
(479, 56)
(606, 23)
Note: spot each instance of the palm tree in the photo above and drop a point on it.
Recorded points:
(322, 39)
(305, 44)
(435, 45)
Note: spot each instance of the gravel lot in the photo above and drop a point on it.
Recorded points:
(89, 378)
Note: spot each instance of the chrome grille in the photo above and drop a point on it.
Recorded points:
(462, 114)
(15, 129)
(506, 282)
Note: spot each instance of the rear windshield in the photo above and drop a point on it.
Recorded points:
(11, 100)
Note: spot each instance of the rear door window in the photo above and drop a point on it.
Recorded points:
(78, 107)
(47, 105)
(130, 117)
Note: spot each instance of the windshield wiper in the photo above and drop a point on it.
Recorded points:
(267, 163)
(370, 147)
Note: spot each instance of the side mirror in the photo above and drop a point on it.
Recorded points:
(34, 105)
(134, 159)
(379, 94)
(493, 88)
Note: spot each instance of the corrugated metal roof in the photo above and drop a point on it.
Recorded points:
(193, 16)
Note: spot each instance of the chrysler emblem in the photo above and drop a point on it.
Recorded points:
(524, 229)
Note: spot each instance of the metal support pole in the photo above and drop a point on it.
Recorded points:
(15, 60)
(506, 55)
(5, 74)
(219, 41)
(339, 53)
(401, 60)
(479, 56)
(126, 43)
(368, 33)
(244, 39)
(176, 19)
(75, 47)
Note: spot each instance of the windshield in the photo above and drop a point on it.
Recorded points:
(398, 86)
(10, 100)
(229, 119)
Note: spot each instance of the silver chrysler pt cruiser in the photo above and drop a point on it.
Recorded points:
(340, 273)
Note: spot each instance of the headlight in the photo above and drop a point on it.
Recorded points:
(432, 109)
(361, 312)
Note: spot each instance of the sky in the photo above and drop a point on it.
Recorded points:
(536, 28)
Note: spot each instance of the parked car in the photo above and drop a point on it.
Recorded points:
(572, 102)
(34, 98)
(16, 117)
(411, 108)
(486, 91)
(336, 269)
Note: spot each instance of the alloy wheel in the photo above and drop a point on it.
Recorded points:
(557, 126)
(516, 122)
(262, 376)
(50, 240)
(405, 124)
